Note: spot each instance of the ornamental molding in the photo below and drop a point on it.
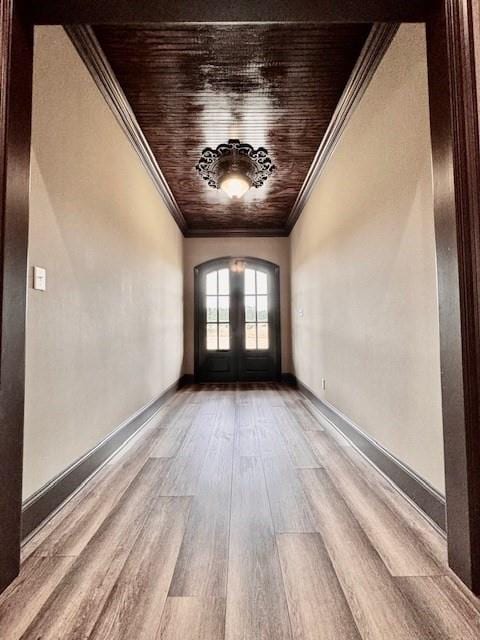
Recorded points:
(235, 156)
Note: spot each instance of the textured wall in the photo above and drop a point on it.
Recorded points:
(363, 269)
(107, 336)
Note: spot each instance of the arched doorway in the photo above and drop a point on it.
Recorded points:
(237, 320)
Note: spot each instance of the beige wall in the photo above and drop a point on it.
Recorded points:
(106, 337)
(363, 269)
(198, 250)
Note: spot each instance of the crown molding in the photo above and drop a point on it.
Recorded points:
(370, 57)
(236, 233)
(88, 47)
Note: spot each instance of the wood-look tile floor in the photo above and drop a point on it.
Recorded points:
(237, 513)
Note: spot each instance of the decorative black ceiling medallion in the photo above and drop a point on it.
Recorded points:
(236, 160)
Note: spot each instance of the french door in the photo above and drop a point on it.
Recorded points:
(237, 325)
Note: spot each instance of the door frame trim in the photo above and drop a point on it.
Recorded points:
(16, 41)
(454, 115)
(226, 261)
(151, 11)
(456, 173)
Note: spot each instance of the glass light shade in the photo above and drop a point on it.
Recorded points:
(238, 266)
(235, 185)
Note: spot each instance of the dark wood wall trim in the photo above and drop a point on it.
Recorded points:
(236, 233)
(16, 44)
(186, 379)
(427, 499)
(92, 55)
(289, 378)
(144, 11)
(42, 504)
(372, 54)
(91, 52)
(456, 172)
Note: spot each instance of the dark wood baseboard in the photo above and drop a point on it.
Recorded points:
(425, 497)
(49, 498)
(289, 378)
(189, 378)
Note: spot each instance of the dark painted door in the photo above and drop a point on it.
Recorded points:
(237, 327)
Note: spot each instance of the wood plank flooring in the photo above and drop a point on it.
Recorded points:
(237, 513)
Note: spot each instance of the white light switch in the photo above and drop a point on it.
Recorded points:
(39, 278)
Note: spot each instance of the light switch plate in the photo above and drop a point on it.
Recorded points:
(39, 278)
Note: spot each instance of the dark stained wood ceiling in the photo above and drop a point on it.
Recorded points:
(271, 85)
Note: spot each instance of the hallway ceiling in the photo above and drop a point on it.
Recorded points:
(271, 85)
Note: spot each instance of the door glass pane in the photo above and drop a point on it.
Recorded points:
(262, 308)
(256, 309)
(212, 283)
(250, 336)
(224, 336)
(263, 335)
(262, 283)
(250, 312)
(217, 285)
(223, 308)
(224, 282)
(212, 309)
(212, 337)
(249, 281)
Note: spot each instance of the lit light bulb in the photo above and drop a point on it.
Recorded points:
(235, 185)
(238, 266)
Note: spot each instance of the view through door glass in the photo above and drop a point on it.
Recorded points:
(256, 309)
(217, 334)
(237, 320)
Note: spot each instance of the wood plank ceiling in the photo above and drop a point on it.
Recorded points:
(271, 85)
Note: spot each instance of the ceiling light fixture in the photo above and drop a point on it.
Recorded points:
(235, 185)
(237, 265)
(235, 167)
